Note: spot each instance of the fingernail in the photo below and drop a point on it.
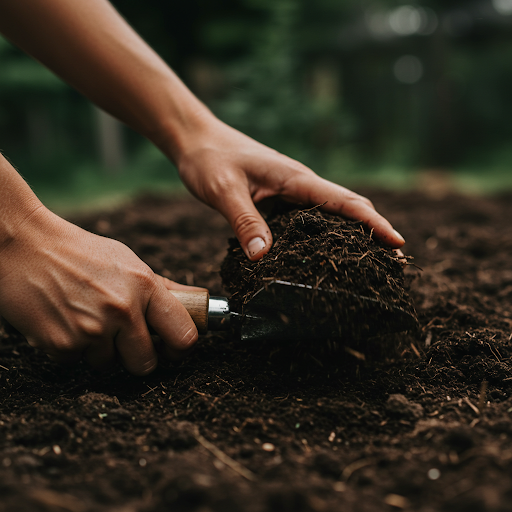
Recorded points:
(255, 246)
(399, 235)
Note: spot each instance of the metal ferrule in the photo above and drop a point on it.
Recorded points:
(219, 314)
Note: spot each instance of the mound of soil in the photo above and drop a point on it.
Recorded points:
(234, 428)
(354, 287)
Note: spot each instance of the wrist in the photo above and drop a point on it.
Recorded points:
(17, 204)
(178, 134)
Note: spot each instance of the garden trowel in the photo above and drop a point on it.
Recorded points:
(282, 310)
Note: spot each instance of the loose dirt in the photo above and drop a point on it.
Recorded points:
(345, 287)
(424, 426)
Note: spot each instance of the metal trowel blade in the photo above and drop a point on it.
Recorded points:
(282, 310)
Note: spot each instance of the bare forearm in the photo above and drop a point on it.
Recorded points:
(90, 46)
(17, 203)
(78, 295)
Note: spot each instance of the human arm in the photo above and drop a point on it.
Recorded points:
(78, 295)
(91, 47)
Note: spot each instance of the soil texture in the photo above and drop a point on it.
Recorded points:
(344, 287)
(425, 426)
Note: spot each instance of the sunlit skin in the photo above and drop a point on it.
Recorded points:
(78, 295)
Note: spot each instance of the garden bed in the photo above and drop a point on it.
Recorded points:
(424, 425)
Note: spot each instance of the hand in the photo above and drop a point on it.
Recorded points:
(231, 172)
(74, 294)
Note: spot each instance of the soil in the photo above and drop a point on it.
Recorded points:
(345, 287)
(426, 426)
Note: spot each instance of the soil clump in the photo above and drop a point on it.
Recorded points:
(350, 286)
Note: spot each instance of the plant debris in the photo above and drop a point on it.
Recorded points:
(356, 285)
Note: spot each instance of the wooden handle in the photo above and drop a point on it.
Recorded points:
(196, 303)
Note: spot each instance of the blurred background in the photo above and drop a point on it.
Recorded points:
(379, 93)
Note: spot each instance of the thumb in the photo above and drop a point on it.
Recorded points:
(171, 321)
(249, 226)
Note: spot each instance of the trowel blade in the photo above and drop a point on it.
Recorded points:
(282, 310)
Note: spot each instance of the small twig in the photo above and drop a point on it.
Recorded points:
(474, 408)
(483, 394)
(219, 398)
(225, 381)
(355, 353)
(363, 256)
(358, 464)
(4, 368)
(149, 391)
(315, 207)
(183, 399)
(493, 352)
(233, 464)
(415, 350)
(319, 281)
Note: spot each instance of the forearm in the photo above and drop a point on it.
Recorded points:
(90, 46)
(17, 204)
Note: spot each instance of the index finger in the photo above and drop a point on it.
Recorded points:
(172, 323)
(313, 190)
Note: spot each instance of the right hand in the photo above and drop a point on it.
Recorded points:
(77, 295)
(232, 172)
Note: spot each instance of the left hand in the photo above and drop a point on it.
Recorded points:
(232, 172)
(76, 295)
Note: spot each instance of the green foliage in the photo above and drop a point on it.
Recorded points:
(21, 75)
(87, 185)
(27, 76)
(283, 76)
(272, 94)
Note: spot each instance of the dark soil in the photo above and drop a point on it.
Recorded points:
(233, 428)
(354, 287)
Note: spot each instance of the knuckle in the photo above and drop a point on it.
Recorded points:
(357, 198)
(146, 275)
(219, 187)
(245, 223)
(146, 368)
(145, 278)
(302, 170)
(299, 178)
(367, 202)
(33, 342)
(90, 327)
(223, 183)
(189, 337)
(120, 308)
(60, 344)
